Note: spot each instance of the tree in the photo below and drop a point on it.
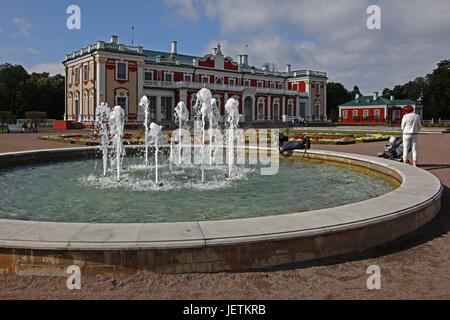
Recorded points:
(11, 77)
(337, 94)
(438, 99)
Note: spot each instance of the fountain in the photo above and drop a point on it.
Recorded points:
(156, 137)
(144, 104)
(232, 123)
(117, 126)
(103, 119)
(202, 111)
(181, 118)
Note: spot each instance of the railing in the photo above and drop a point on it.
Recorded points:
(219, 87)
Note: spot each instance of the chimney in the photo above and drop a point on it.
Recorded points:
(173, 48)
(288, 68)
(114, 39)
(392, 98)
(243, 59)
(357, 96)
(375, 96)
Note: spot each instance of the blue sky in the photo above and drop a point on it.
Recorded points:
(325, 35)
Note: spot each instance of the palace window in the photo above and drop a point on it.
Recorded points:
(355, 113)
(280, 86)
(272, 85)
(290, 108)
(168, 77)
(377, 114)
(148, 76)
(122, 101)
(345, 114)
(166, 108)
(261, 106)
(187, 78)
(232, 82)
(366, 113)
(260, 84)
(85, 72)
(318, 88)
(77, 75)
(122, 68)
(205, 79)
(246, 83)
(219, 81)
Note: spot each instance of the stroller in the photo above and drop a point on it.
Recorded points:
(394, 150)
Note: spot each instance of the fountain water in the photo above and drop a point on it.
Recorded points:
(144, 104)
(232, 123)
(117, 126)
(156, 137)
(103, 119)
(214, 116)
(202, 112)
(181, 118)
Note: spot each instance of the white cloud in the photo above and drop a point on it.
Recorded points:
(184, 9)
(51, 67)
(332, 36)
(24, 26)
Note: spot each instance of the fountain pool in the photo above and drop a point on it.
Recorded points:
(77, 191)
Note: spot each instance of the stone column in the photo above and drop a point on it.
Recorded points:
(325, 113)
(269, 108)
(100, 81)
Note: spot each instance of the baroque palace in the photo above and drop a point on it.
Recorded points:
(120, 75)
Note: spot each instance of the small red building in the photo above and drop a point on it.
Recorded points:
(375, 110)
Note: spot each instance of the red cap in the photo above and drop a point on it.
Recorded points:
(408, 109)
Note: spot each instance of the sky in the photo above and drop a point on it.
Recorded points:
(323, 35)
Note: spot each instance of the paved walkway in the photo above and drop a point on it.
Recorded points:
(415, 267)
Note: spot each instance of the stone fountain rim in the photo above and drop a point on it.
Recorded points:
(418, 191)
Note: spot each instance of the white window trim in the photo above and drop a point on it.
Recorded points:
(345, 114)
(232, 79)
(205, 77)
(187, 75)
(260, 84)
(377, 114)
(247, 81)
(76, 75)
(365, 113)
(150, 72)
(355, 113)
(86, 72)
(126, 70)
(168, 74)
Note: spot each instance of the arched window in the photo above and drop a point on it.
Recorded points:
(261, 108)
(122, 99)
(317, 109)
(290, 107)
(276, 110)
(219, 80)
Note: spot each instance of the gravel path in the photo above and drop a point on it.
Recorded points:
(415, 267)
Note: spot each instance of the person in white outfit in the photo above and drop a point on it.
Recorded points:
(411, 126)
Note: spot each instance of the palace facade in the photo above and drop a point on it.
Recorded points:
(120, 75)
